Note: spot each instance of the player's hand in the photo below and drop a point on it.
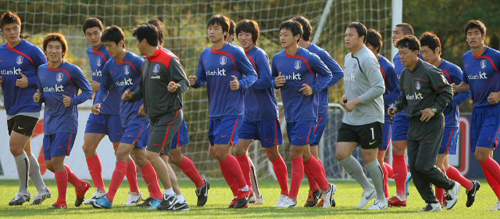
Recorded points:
(392, 111)
(23, 81)
(96, 109)
(280, 80)
(306, 90)
(234, 84)
(142, 111)
(127, 95)
(37, 96)
(96, 86)
(427, 114)
(494, 97)
(172, 87)
(192, 80)
(67, 101)
(343, 101)
(351, 105)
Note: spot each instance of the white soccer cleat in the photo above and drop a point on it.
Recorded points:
(328, 196)
(366, 197)
(379, 205)
(453, 196)
(280, 200)
(288, 203)
(97, 195)
(496, 208)
(41, 196)
(133, 198)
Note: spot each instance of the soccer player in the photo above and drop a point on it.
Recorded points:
(322, 120)
(431, 51)
(400, 127)
(108, 121)
(424, 94)
(222, 67)
(18, 78)
(59, 83)
(363, 121)
(482, 78)
(123, 70)
(260, 121)
(301, 76)
(374, 42)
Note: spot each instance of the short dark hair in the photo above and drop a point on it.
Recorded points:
(430, 40)
(9, 17)
(160, 27)
(55, 37)
(148, 32)
(293, 26)
(221, 20)
(231, 26)
(92, 22)
(411, 42)
(407, 28)
(360, 28)
(249, 26)
(476, 24)
(307, 28)
(113, 34)
(374, 38)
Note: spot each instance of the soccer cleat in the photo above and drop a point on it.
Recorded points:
(496, 207)
(288, 203)
(155, 204)
(97, 195)
(146, 203)
(366, 197)
(58, 205)
(41, 196)
(80, 193)
(408, 180)
(452, 198)
(133, 198)
(167, 203)
(103, 202)
(430, 207)
(20, 198)
(242, 198)
(233, 202)
(396, 201)
(202, 194)
(180, 207)
(328, 196)
(280, 200)
(379, 205)
(471, 194)
(312, 198)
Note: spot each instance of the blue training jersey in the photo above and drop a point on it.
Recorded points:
(482, 74)
(66, 79)
(398, 68)
(391, 84)
(98, 59)
(124, 75)
(302, 68)
(216, 68)
(337, 74)
(26, 58)
(454, 75)
(260, 100)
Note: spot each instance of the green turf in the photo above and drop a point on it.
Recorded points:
(348, 195)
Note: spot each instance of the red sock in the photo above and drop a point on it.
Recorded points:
(95, 169)
(62, 186)
(73, 179)
(297, 175)
(281, 173)
(322, 166)
(454, 174)
(229, 179)
(386, 181)
(440, 193)
(313, 185)
(390, 172)
(314, 168)
(245, 168)
(149, 175)
(132, 176)
(233, 167)
(187, 166)
(400, 174)
(116, 180)
(495, 186)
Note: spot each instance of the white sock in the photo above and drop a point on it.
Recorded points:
(169, 192)
(245, 189)
(180, 198)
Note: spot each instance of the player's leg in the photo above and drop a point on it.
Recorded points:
(240, 152)
(181, 204)
(386, 140)
(90, 144)
(440, 163)
(36, 177)
(314, 190)
(399, 146)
